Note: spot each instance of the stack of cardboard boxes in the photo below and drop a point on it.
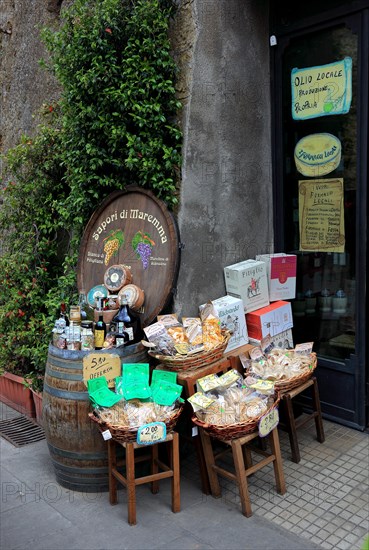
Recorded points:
(263, 285)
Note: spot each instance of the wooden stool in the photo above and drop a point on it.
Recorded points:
(130, 481)
(187, 379)
(291, 425)
(243, 465)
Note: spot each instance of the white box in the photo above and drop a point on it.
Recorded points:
(283, 340)
(272, 320)
(248, 281)
(281, 271)
(232, 317)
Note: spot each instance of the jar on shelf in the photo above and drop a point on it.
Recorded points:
(310, 301)
(339, 301)
(87, 336)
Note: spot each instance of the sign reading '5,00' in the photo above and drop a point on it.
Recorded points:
(322, 90)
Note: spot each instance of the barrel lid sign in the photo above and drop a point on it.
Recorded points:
(134, 229)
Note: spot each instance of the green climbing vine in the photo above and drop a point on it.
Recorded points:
(115, 125)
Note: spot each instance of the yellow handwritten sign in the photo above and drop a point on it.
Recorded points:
(322, 90)
(96, 365)
(321, 215)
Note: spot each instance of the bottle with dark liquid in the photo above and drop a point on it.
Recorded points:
(100, 329)
(127, 323)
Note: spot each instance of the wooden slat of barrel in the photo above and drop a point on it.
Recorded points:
(76, 447)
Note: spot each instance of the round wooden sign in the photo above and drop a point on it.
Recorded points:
(134, 229)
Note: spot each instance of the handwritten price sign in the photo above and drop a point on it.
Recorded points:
(96, 365)
(268, 422)
(148, 434)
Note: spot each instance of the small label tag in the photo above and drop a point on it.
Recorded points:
(151, 433)
(263, 386)
(106, 435)
(268, 422)
(195, 431)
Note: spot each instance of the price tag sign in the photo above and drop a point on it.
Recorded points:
(268, 422)
(106, 435)
(96, 365)
(151, 433)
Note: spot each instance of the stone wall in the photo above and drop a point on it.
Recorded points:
(25, 86)
(225, 213)
(222, 50)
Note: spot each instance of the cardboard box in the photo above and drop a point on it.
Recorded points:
(282, 340)
(232, 317)
(281, 271)
(272, 320)
(248, 281)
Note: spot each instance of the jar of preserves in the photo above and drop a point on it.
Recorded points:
(87, 336)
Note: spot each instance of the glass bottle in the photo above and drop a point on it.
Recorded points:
(118, 328)
(100, 329)
(63, 317)
(131, 320)
(87, 312)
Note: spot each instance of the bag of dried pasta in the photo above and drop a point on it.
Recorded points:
(211, 332)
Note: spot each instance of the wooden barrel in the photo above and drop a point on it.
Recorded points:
(77, 449)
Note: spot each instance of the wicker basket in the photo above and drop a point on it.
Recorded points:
(232, 431)
(294, 381)
(128, 434)
(193, 362)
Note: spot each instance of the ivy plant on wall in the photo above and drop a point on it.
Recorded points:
(115, 125)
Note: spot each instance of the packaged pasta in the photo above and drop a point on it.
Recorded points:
(211, 331)
(193, 330)
(158, 335)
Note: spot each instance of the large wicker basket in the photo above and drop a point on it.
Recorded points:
(191, 362)
(128, 434)
(294, 381)
(232, 431)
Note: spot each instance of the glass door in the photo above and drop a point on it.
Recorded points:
(319, 194)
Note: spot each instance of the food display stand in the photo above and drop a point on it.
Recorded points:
(134, 229)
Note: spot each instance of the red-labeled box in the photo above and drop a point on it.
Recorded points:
(281, 270)
(271, 319)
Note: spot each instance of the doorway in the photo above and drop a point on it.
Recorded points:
(320, 98)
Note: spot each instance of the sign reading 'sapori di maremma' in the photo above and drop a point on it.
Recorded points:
(321, 215)
(135, 229)
(322, 90)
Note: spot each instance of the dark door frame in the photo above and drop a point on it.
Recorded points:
(356, 13)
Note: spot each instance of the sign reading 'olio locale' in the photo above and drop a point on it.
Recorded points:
(135, 229)
(322, 90)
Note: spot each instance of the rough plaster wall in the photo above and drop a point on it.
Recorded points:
(225, 213)
(25, 86)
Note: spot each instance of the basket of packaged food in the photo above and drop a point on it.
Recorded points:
(193, 359)
(190, 344)
(226, 407)
(124, 422)
(134, 402)
(286, 368)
